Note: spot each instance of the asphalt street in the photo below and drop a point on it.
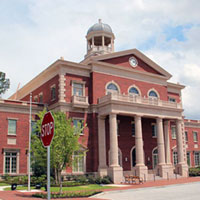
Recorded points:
(189, 191)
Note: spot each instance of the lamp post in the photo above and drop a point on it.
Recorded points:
(29, 149)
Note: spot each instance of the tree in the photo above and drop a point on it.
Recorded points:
(64, 144)
(4, 83)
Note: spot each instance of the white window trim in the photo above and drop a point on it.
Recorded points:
(196, 134)
(194, 158)
(16, 126)
(35, 98)
(154, 124)
(153, 154)
(78, 82)
(135, 88)
(173, 126)
(40, 94)
(132, 122)
(4, 159)
(190, 157)
(84, 162)
(79, 118)
(53, 86)
(152, 89)
(113, 82)
(169, 97)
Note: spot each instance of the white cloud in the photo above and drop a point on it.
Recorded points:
(35, 33)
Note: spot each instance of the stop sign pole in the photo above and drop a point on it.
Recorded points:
(47, 133)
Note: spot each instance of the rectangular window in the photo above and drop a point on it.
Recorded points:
(10, 162)
(171, 99)
(78, 124)
(78, 163)
(188, 158)
(133, 128)
(186, 136)
(154, 130)
(41, 98)
(195, 136)
(175, 157)
(78, 89)
(173, 130)
(35, 99)
(12, 126)
(197, 159)
(53, 92)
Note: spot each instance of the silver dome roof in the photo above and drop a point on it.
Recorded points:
(100, 27)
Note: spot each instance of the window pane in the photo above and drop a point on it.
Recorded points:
(133, 91)
(112, 86)
(153, 94)
(154, 131)
(186, 136)
(10, 162)
(133, 128)
(78, 89)
(12, 126)
(195, 136)
(53, 93)
(173, 130)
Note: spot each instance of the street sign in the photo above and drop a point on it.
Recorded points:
(47, 129)
(47, 132)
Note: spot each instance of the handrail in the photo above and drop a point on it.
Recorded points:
(139, 99)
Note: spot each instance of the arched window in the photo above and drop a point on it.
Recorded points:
(153, 94)
(111, 88)
(133, 90)
(133, 158)
(155, 157)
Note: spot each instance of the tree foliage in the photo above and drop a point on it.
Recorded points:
(64, 143)
(4, 83)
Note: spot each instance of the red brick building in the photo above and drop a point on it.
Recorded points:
(134, 115)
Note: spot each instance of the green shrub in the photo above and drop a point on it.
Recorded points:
(194, 171)
(67, 194)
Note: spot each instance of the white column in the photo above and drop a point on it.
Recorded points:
(102, 145)
(103, 42)
(139, 142)
(160, 142)
(113, 140)
(92, 42)
(167, 142)
(179, 139)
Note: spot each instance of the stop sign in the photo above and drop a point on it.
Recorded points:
(47, 129)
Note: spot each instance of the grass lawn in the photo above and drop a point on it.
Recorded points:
(75, 188)
(4, 184)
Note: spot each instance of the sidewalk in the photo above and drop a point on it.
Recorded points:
(16, 195)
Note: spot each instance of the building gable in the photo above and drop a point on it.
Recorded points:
(124, 61)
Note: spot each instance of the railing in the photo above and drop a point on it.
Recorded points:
(139, 99)
(80, 101)
(100, 48)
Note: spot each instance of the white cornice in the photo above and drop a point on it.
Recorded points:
(57, 68)
(123, 72)
(175, 88)
(128, 52)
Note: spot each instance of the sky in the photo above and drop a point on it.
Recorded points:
(35, 33)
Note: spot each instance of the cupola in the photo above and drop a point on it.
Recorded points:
(100, 39)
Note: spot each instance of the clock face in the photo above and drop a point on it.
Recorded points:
(133, 61)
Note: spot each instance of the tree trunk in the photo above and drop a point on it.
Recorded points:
(60, 180)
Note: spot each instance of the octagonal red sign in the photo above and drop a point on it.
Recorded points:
(47, 129)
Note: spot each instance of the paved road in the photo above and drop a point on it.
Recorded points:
(189, 191)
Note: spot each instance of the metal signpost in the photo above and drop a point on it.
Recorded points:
(47, 133)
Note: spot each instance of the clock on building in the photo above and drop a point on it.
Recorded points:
(133, 61)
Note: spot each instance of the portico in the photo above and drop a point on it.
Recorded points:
(162, 116)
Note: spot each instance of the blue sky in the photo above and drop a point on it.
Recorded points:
(34, 33)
